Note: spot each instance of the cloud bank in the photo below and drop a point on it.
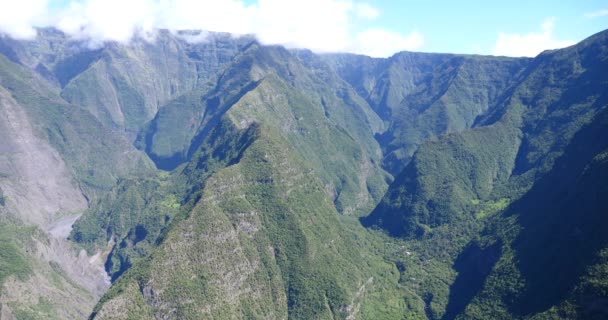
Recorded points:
(319, 25)
(18, 17)
(530, 44)
(596, 14)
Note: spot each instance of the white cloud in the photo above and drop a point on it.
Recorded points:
(599, 13)
(383, 43)
(113, 20)
(530, 44)
(320, 25)
(17, 17)
(211, 15)
(366, 11)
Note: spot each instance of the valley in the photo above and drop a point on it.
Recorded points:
(227, 179)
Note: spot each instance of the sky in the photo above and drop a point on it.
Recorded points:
(376, 28)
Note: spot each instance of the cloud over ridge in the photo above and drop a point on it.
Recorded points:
(530, 44)
(319, 25)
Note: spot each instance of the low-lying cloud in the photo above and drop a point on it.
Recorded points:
(319, 25)
(530, 44)
(17, 18)
(375, 42)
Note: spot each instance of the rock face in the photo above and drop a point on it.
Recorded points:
(39, 190)
(226, 179)
(40, 185)
(49, 171)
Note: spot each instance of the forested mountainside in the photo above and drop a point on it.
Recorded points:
(175, 179)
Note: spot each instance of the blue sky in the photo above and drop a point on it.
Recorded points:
(467, 26)
(377, 28)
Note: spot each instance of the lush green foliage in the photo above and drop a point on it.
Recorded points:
(453, 202)
(270, 156)
(519, 195)
(137, 212)
(423, 96)
(557, 238)
(283, 252)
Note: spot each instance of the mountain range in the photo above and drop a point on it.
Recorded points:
(227, 179)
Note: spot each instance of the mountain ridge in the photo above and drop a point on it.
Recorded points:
(248, 168)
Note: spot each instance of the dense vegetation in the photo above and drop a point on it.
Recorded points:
(513, 191)
(226, 179)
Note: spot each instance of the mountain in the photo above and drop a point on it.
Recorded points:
(249, 185)
(56, 158)
(518, 185)
(555, 232)
(507, 149)
(188, 179)
(421, 96)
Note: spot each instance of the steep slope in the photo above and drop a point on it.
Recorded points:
(421, 96)
(331, 127)
(261, 96)
(129, 220)
(37, 189)
(134, 81)
(457, 187)
(72, 131)
(252, 246)
(133, 218)
(254, 89)
(268, 157)
(459, 175)
(552, 241)
(50, 167)
(123, 86)
(36, 178)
